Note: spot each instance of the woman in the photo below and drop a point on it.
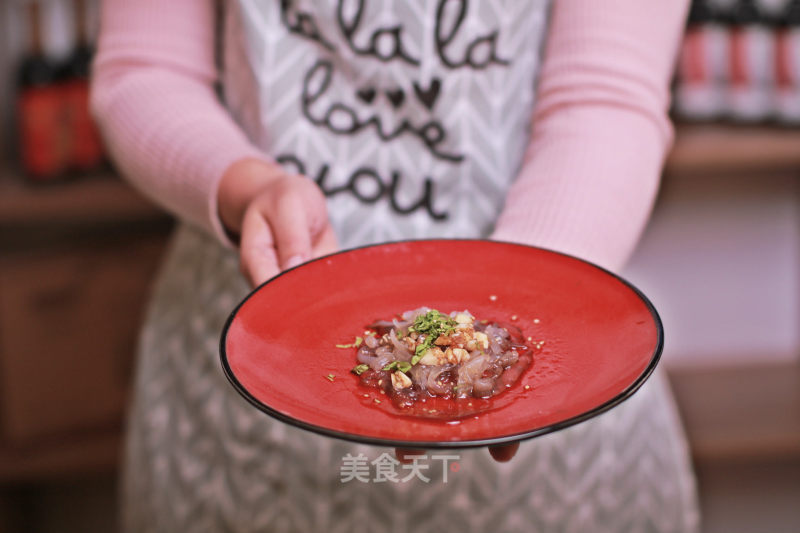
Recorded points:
(515, 120)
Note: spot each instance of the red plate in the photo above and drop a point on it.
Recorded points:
(602, 338)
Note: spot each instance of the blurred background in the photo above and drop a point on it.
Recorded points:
(720, 259)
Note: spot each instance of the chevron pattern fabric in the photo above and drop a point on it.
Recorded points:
(413, 116)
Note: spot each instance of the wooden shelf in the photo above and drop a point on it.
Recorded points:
(698, 148)
(740, 412)
(76, 254)
(96, 199)
(98, 451)
(719, 148)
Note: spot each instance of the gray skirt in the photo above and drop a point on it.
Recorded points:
(199, 458)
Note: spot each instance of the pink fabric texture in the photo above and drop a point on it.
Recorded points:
(592, 167)
(600, 129)
(153, 97)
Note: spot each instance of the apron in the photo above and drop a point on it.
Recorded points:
(413, 117)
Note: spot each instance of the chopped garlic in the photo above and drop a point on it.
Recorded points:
(463, 318)
(483, 339)
(432, 356)
(400, 380)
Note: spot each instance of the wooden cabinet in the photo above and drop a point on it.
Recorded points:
(68, 324)
(74, 281)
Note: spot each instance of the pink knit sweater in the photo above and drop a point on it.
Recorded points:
(592, 166)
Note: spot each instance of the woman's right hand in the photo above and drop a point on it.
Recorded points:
(281, 219)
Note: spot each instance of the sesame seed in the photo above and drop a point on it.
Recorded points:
(535, 320)
(514, 317)
(493, 297)
(527, 387)
(530, 339)
(377, 400)
(366, 396)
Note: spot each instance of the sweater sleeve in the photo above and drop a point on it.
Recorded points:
(600, 129)
(153, 98)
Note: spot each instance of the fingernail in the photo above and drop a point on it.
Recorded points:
(293, 262)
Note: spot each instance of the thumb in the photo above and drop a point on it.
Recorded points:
(259, 261)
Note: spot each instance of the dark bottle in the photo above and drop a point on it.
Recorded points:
(787, 64)
(42, 141)
(85, 148)
(702, 68)
(751, 64)
(694, 61)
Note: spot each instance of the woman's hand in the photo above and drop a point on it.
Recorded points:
(281, 219)
(501, 453)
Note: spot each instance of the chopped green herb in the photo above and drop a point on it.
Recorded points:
(432, 324)
(391, 365)
(403, 366)
(356, 344)
(360, 369)
(330, 377)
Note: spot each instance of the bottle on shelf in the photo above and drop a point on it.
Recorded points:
(751, 73)
(787, 65)
(85, 148)
(43, 144)
(702, 66)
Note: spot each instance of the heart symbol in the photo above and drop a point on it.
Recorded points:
(396, 97)
(428, 96)
(367, 95)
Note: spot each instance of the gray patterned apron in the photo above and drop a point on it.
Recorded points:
(413, 117)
